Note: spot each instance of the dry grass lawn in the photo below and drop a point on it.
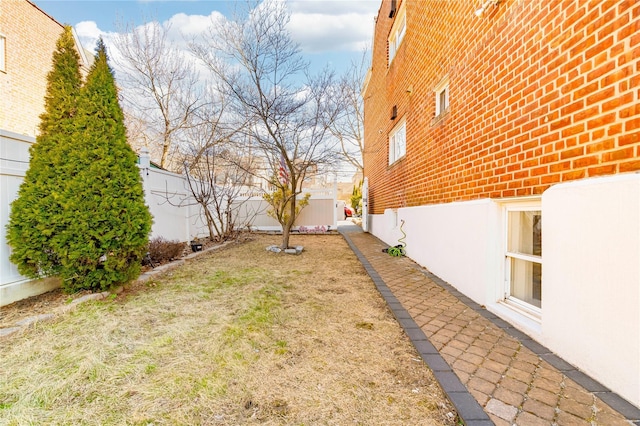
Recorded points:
(238, 336)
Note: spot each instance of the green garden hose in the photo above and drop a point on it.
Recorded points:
(399, 250)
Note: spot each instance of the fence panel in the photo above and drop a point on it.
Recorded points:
(252, 212)
(176, 215)
(319, 212)
(14, 162)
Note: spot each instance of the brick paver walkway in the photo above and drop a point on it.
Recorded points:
(513, 378)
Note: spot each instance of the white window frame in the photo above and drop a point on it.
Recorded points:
(397, 33)
(398, 147)
(3, 53)
(523, 307)
(441, 92)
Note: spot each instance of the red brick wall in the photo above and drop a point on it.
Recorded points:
(31, 39)
(541, 92)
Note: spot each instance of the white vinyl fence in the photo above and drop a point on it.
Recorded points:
(251, 212)
(14, 162)
(176, 215)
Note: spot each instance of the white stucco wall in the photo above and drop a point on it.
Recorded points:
(454, 232)
(443, 237)
(591, 278)
(590, 274)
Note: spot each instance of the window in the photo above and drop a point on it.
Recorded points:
(442, 97)
(524, 258)
(398, 142)
(397, 32)
(2, 53)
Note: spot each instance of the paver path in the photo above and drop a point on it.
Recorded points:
(513, 378)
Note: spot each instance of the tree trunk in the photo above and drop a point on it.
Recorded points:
(285, 237)
(286, 229)
(210, 223)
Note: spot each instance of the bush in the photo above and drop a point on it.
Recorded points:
(162, 251)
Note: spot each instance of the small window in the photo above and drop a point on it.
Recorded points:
(392, 12)
(444, 101)
(2, 53)
(524, 258)
(442, 97)
(397, 33)
(398, 142)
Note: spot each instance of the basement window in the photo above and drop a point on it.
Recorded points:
(523, 258)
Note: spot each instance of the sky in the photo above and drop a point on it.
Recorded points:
(330, 32)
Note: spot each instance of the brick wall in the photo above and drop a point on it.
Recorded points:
(541, 92)
(31, 38)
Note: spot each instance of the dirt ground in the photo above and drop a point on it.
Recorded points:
(36, 305)
(47, 302)
(235, 336)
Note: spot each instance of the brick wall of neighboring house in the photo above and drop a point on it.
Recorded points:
(30, 40)
(541, 92)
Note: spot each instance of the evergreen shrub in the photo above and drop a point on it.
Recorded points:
(91, 225)
(35, 219)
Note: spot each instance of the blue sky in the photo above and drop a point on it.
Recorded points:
(330, 32)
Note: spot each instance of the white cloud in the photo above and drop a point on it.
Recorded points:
(318, 26)
(88, 33)
(332, 25)
(183, 25)
(182, 28)
(322, 32)
(334, 7)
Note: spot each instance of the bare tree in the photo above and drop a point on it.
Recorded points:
(262, 70)
(216, 185)
(137, 134)
(217, 169)
(168, 103)
(161, 85)
(349, 127)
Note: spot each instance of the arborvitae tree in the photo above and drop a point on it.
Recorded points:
(106, 221)
(34, 221)
(356, 198)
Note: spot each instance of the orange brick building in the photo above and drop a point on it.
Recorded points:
(540, 92)
(28, 39)
(490, 123)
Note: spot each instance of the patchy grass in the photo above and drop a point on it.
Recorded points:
(238, 336)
